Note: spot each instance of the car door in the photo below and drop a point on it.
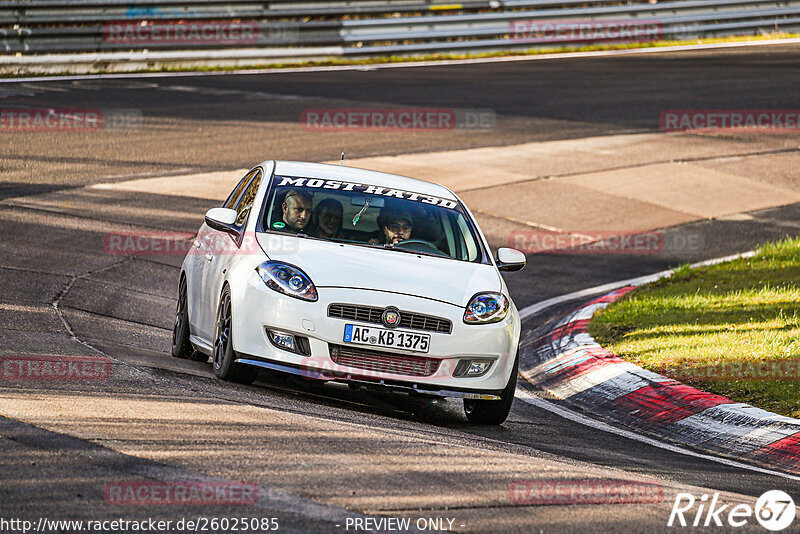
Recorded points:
(222, 249)
(202, 249)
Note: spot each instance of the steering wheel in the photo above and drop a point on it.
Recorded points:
(420, 245)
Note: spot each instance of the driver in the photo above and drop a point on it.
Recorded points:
(395, 226)
(297, 210)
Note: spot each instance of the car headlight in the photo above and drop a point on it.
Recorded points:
(287, 279)
(486, 308)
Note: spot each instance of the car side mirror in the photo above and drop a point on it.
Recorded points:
(222, 219)
(509, 259)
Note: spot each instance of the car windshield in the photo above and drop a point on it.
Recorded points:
(364, 215)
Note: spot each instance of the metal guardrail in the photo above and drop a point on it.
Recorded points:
(302, 28)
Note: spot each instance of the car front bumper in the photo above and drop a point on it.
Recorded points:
(259, 308)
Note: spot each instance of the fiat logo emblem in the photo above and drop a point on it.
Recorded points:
(391, 317)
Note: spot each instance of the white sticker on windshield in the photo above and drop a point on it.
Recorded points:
(318, 183)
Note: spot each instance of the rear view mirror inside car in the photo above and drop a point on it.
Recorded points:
(374, 202)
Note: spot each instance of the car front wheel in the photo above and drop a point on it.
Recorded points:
(224, 356)
(493, 412)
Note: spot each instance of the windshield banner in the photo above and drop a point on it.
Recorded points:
(338, 185)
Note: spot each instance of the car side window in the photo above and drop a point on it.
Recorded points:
(230, 203)
(246, 201)
(470, 247)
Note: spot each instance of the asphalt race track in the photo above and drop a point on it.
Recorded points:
(322, 454)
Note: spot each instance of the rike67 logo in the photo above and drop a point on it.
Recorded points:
(774, 510)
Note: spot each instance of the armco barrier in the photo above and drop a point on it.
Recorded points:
(570, 365)
(250, 30)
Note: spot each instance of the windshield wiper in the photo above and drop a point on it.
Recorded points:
(346, 241)
(341, 240)
(409, 251)
(381, 245)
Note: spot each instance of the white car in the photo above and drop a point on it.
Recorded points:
(337, 273)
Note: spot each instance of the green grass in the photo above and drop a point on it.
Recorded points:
(702, 325)
(453, 56)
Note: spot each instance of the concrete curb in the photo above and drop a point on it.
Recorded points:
(570, 365)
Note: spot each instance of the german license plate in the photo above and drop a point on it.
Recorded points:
(382, 337)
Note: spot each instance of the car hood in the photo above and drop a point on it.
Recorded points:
(338, 265)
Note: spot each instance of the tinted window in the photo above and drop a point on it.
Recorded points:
(246, 201)
(371, 216)
(230, 203)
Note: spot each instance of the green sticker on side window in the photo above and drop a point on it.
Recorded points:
(278, 224)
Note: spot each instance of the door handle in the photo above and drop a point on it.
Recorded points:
(209, 257)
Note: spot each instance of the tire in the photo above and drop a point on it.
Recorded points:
(181, 347)
(223, 354)
(493, 412)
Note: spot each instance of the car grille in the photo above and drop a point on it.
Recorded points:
(370, 314)
(383, 362)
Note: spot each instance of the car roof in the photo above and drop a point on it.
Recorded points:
(362, 176)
